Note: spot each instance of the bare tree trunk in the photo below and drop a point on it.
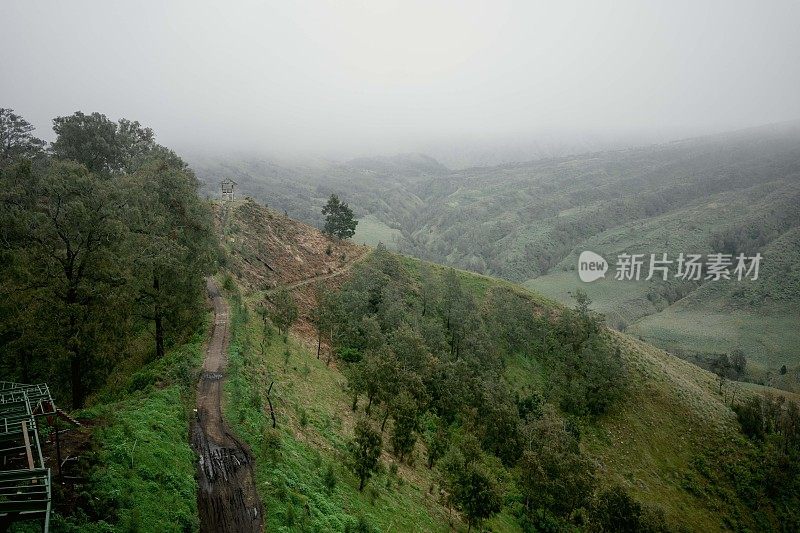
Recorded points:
(77, 386)
(330, 347)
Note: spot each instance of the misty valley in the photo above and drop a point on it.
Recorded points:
(364, 267)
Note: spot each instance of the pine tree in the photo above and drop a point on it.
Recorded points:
(339, 220)
(16, 138)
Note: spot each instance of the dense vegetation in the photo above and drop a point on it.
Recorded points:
(485, 424)
(136, 470)
(504, 406)
(104, 247)
(428, 355)
(731, 193)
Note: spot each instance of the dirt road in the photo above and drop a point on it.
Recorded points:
(226, 497)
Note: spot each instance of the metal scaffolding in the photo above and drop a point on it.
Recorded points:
(25, 483)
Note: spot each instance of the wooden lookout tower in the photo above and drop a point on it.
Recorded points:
(228, 189)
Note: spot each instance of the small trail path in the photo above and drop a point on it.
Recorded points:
(226, 497)
(338, 272)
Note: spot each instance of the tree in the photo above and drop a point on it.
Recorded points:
(365, 451)
(406, 424)
(722, 367)
(479, 495)
(323, 315)
(375, 375)
(552, 474)
(339, 220)
(285, 311)
(171, 233)
(100, 144)
(430, 289)
(582, 303)
(471, 480)
(615, 510)
(498, 421)
(16, 138)
(70, 267)
(590, 375)
(436, 439)
(738, 362)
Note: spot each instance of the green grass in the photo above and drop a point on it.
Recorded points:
(621, 302)
(371, 231)
(142, 475)
(768, 340)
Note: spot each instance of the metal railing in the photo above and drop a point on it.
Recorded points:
(25, 482)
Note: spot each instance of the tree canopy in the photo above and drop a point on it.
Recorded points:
(16, 137)
(106, 244)
(339, 220)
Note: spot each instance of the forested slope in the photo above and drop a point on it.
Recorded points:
(493, 406)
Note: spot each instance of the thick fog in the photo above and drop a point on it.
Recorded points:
(359, 77)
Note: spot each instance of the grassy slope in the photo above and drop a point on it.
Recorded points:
(672, 416)
(716, 318)
(142, 475)
(760, 318)
(371, 231)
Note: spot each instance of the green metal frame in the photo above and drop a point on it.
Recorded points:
(25, 493)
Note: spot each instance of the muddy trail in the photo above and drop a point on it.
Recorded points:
(226, 498)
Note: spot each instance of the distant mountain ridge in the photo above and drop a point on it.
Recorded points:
(401, 164)
(730, 192)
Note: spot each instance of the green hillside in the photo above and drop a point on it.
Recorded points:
(527, 222)
(670, 440)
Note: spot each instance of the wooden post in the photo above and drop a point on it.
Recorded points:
(58, 450)
(27, 444)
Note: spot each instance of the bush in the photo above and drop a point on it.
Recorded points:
(358, 525)
(349, 355)
(329, 478)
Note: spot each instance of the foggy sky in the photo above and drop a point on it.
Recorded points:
(359, 77)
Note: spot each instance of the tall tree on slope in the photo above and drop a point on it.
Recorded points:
(339, 220)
